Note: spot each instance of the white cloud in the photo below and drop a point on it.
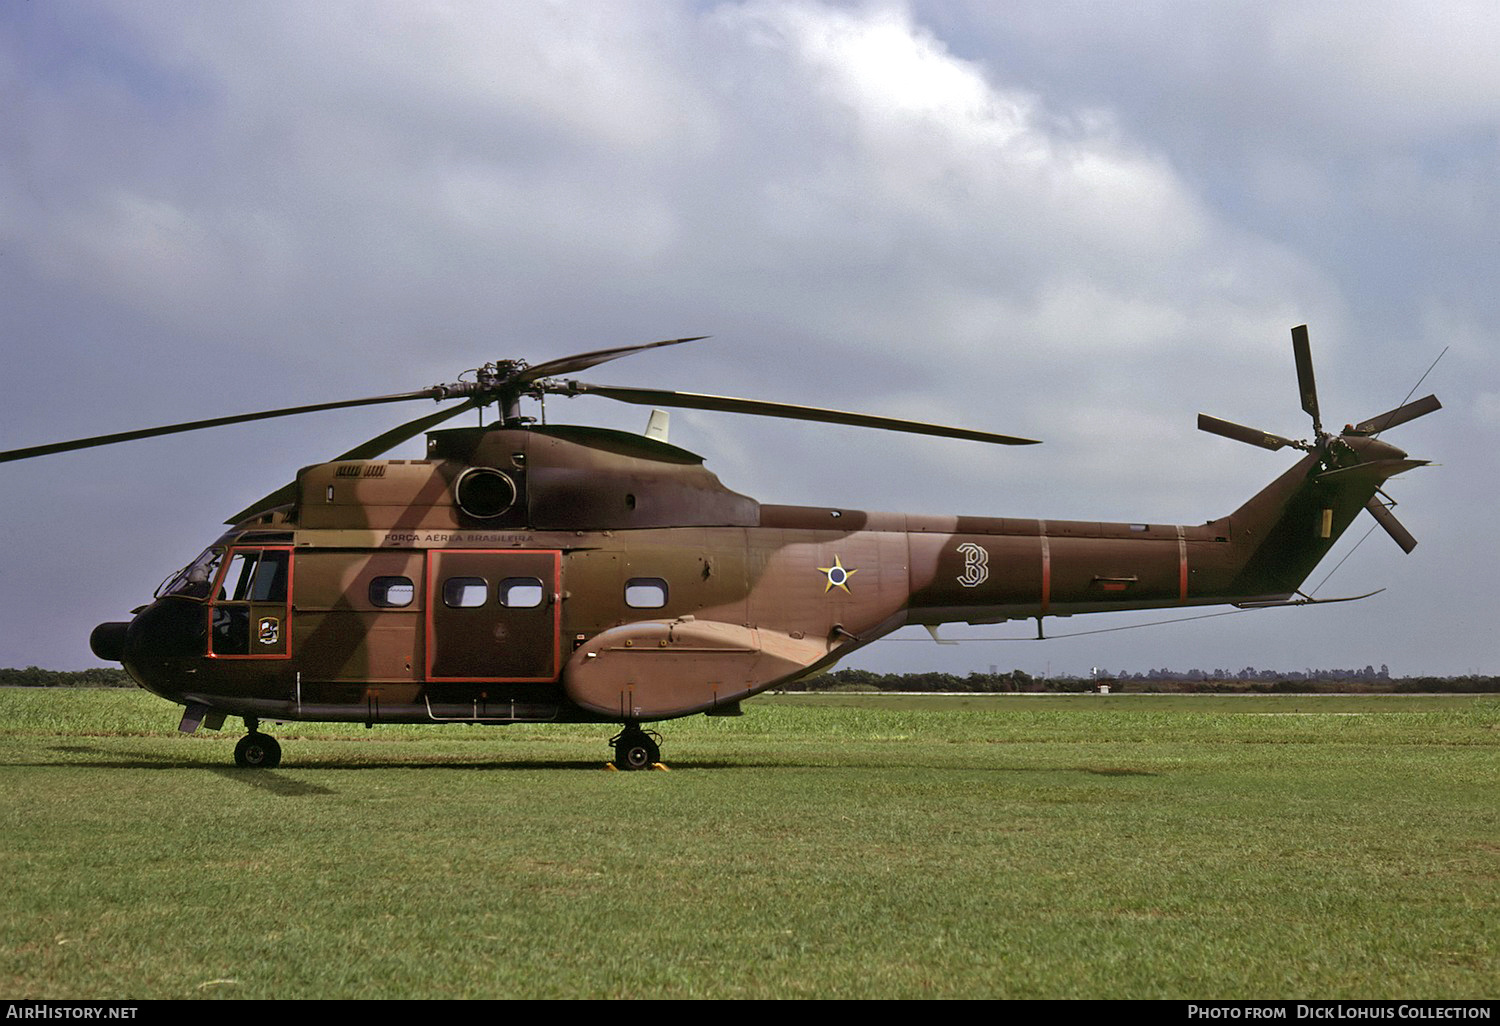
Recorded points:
(1398, 67)
(1487, 409)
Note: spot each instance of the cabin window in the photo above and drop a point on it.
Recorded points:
(645, 592)
(391, 592)
(520, 592)
(464, 592)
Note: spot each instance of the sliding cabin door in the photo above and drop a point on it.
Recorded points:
(493, 615)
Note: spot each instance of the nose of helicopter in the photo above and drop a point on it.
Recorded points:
(165, 630)
(168, 628)
(152, 645)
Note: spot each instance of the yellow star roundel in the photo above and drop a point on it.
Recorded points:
(838, 577)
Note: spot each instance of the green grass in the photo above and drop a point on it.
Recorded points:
(1007, 846)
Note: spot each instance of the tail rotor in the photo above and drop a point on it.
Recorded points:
(1356, 451)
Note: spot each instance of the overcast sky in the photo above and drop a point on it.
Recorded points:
(1080, 222)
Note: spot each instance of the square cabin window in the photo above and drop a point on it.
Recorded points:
(520, 592)
(645, 593)
(464, 592)
(391, 592)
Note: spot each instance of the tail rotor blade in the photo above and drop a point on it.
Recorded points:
(1383, 515)
(1400, 415)
(1306, 383)
(1241, 433)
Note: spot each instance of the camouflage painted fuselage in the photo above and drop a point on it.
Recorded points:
(563, 573)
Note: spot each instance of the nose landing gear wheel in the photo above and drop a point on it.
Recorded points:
(635, 749)
(257, 751)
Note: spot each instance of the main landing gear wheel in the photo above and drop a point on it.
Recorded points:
(257, 751)
(636, 749)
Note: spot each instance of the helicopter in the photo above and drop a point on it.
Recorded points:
(524, 572)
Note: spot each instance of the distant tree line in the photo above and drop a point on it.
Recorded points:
(1248, 681)
(1250, 673)
(36, 677)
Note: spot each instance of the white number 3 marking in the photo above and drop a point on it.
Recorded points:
(976, 565)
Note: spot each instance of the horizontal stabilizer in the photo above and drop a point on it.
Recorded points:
(1375, 470)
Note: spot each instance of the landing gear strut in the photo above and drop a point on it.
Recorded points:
(257, 750)
(636, 749)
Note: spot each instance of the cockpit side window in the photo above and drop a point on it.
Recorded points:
(196, 579)
(271, 576)
(249, 604)
(256, 576)
(236, 586)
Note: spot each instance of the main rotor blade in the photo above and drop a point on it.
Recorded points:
(761, 408)
(1302, 352)
(369, 450)
(388, 440)
(1241, 433)
(1400, 415)
(198, 425)
(1383, 515)
(583, 361)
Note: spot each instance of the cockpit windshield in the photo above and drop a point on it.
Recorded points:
(194, 580)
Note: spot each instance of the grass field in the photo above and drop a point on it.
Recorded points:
(819, 846)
